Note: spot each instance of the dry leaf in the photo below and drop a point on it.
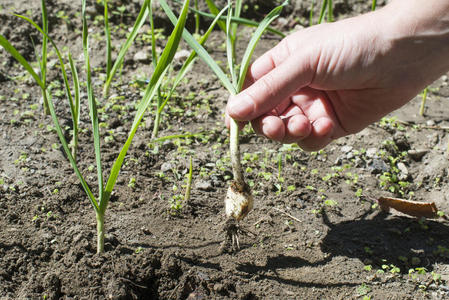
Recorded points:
(411, 208)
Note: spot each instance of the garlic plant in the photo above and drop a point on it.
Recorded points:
(239, 200)
(100, 202)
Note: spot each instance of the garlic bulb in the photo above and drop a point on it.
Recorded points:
(238, 201)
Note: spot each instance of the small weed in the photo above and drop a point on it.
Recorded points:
(363, 289)
(132, 182)
(368, 268)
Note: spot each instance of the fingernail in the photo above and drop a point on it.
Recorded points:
(240, 107)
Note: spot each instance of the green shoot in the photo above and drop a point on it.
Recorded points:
(327, 5)
(121, 55)
(73, 106)
(373, 5)
(312, 6)
(100, 203)
(155, 81)
(181, 74)
(197, 18)
(239, 20)
(239, 190)
(322, 11)
(189, 182)
(95, 130)
(330, 11)
(214, 10)
(43, 61)
(423, 102)
(107, 34)
(76, 108)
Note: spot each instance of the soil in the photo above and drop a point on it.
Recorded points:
(315, 231)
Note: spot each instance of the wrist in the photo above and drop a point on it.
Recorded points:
(417, 32)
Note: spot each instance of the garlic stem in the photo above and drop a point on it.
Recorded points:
(235, 154)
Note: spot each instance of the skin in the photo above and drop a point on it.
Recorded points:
(331, 80)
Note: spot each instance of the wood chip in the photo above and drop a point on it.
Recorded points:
(411, 208)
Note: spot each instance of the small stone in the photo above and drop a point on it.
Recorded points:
(430, 123)
(204, 185)
(166, 166)
(371, 152)
(182, 54)
(148, 123)
(196, 295)
(142, 56)
(282, 22)
(378, 166)
(203, 276)
(210, 165)
(418, 154)
(298, 27)
(338, 161)
(346, 149)
(144, 29)
(218, 287)
(444, 78)
(433, 139)
(168, 145)
(404, 171)
(120, 129)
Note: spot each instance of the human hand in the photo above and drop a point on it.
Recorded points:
(331, 80)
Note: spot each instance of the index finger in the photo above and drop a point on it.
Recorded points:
(272, 78)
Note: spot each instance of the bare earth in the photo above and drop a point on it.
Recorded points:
(315, 232)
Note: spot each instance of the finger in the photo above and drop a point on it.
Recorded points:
(268, 61)
(228, 122)
(325, 126)
(271, 89)
(271, 59)
(297, 127)
(315, 105)
(321, 135)
(270, 126)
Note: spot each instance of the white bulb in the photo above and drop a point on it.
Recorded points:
(238, 203)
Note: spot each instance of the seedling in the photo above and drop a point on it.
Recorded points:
(423, 101)
(189, 182)
(327, 5)
(43, 59)
(164, 94)
(100, 203)
(240, 20)
(239, 200)
(112, 69)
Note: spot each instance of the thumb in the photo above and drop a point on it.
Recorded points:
(274, 77)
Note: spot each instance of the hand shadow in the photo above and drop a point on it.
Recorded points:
(385, 239)
(379, 240)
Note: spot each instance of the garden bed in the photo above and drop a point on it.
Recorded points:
(315, 232)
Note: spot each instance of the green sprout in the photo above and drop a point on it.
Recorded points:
(163, 97)
(239, 200)
(189, 182)
(423, 101)
(327, 5)
(100, 203)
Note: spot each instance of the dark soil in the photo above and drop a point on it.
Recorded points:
(315, 232)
